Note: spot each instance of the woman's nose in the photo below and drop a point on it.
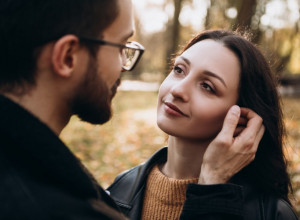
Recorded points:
(180, 90)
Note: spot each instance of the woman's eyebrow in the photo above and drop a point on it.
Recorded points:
(206, 72)
(185, 60)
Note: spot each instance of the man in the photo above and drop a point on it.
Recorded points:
(60, 58)
(50, 72)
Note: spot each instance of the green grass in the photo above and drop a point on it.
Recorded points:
(132, 136)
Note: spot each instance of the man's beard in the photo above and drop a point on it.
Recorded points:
(92, 102)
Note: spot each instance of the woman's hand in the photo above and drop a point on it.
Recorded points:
(233, 148)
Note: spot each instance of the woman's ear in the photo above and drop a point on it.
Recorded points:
(65, 55)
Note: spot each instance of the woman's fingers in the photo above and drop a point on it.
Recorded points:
(230, 123)
(233, 148)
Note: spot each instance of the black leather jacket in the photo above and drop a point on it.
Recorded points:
(214, 202)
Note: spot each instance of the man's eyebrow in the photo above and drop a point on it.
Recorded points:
(125, 38)
(206, 72)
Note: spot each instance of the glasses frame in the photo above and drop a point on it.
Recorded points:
(139, 48)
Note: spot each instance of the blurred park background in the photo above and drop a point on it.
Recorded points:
(163, 27)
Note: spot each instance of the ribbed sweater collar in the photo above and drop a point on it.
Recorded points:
(164, 196)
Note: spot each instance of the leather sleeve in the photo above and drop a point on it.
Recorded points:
(284, 211)
(213, 202)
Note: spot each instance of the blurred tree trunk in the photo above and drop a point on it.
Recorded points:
(138, 70)
(208, 15)
(173, 34)
(248, 16)
(246, 10)
(216, 15)
(281, 63)
(176, 26)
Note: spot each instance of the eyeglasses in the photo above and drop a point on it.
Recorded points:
(131, 51)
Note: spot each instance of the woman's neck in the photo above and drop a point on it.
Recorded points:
(184, 158)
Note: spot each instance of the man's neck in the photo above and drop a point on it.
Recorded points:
(44, 107)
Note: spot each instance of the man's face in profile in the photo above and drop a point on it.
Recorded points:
(102, 76)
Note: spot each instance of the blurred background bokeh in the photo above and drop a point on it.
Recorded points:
(163, 27)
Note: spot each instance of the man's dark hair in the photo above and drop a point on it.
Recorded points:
(27, 25)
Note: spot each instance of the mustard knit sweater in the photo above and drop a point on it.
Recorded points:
(164, 197)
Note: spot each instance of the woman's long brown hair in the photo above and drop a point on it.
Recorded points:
(258, 91)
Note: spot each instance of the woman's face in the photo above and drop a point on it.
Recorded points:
(195, 97)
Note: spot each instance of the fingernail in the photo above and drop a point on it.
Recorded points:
(235, 110)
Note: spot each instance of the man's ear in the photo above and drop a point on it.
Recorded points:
(64, 55)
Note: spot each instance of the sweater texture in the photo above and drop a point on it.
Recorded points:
(164, 196)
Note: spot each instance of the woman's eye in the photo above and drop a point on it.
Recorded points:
(207, 87)
(178, 70)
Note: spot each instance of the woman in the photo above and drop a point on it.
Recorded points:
(216, 70)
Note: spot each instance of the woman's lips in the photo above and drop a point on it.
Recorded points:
(173, 110)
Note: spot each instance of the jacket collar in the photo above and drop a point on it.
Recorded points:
(158, 157)
(128, 188)
(44, 149)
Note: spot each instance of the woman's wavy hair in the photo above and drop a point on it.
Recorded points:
(258, 91)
